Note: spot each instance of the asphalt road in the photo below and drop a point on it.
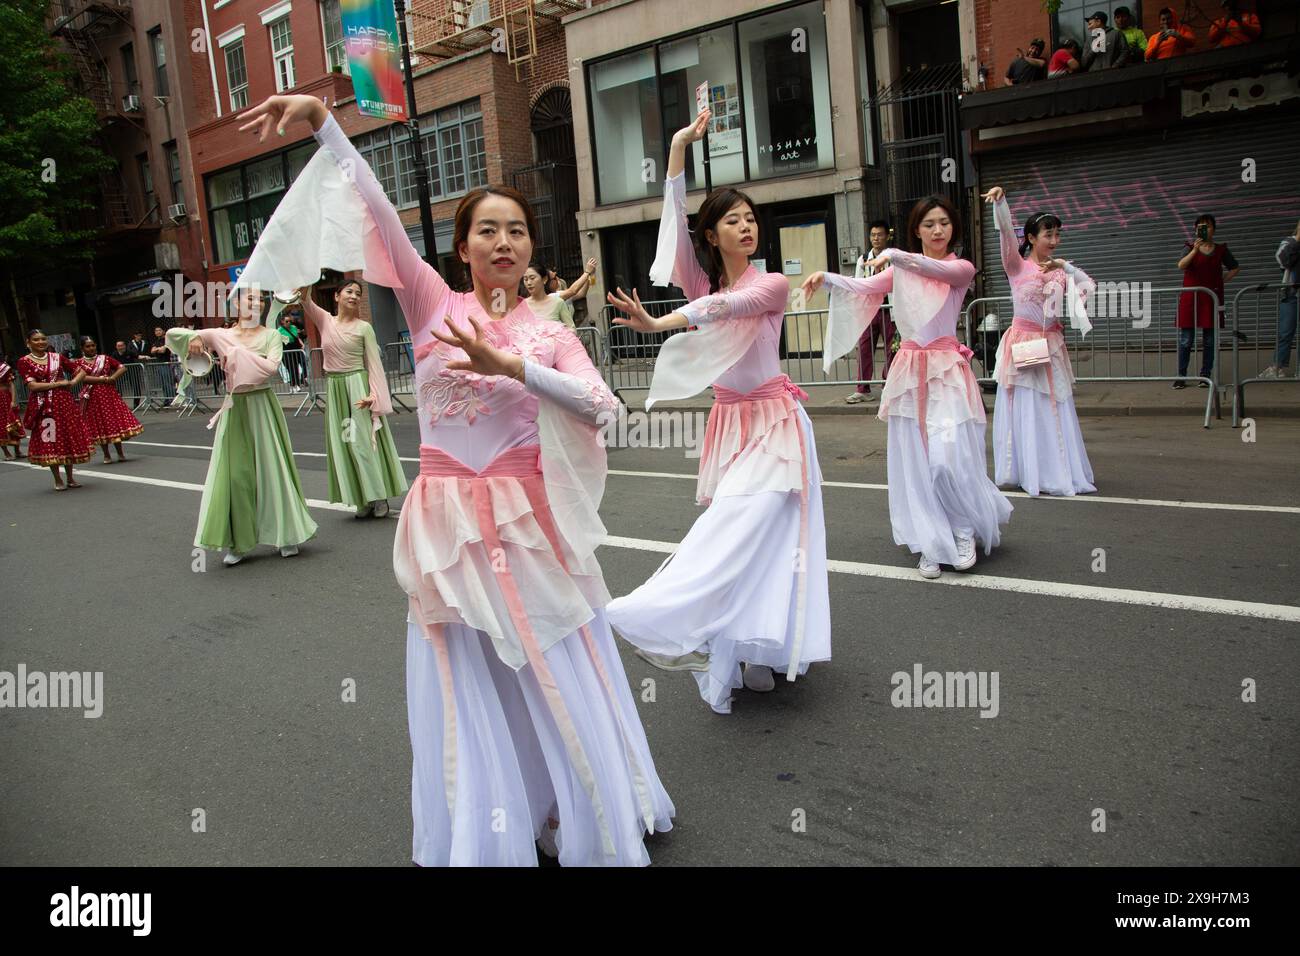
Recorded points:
(1119, 690)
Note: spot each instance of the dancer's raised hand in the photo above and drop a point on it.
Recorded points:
(994, 194)
(280, 112)
(812, 284)
(695, 132)
(484, 357)
(637, 318)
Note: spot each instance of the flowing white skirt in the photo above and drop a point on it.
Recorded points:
(511, 765)
(731, 584)
(1029, 452)
(933, 499)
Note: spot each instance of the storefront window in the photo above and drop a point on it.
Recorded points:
(708, 57)
(787, 92)
(774, 119)
(627, 127)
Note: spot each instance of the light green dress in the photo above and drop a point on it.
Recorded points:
(252, 494)
(363, 462)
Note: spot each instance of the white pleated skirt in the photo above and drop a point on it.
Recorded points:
(936, 497)
(511, 767)
(1029, 451)
(732, 585)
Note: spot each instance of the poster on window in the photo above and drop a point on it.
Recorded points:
(724, 125)
(374, 56)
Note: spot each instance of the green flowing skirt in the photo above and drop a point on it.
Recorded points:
(252, 494)
(361, 471)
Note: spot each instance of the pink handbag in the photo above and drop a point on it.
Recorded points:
(1029, 353)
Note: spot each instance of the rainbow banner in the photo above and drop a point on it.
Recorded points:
(375, 57)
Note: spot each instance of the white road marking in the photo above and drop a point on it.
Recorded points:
(863, 486)
(1176, 602)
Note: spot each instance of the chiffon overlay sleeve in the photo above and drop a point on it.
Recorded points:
(767, 294)
(854, 305)
(1012, 261)
(675, 260)
(314, 314)
(958, 273)
(573, 383)
(379, 394)
(424, 293)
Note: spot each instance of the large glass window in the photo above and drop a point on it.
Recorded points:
(173, 155)
(336, 54)
(768, 89)
(146, 186)
(787, 92)
(159, 61)
(241, 200)
(708, 57)
(282, 54)
(452, 139)
(237, 75)
(627, 127)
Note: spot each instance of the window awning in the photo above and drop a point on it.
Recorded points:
(1122, 86)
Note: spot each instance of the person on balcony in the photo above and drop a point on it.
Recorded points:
(1132, 33)
(1174, 38)
(1065, 60)
(1107, 47)
(1234, 28)
(1028, 67)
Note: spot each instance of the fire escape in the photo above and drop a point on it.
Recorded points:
(446, 28)
(83, 25)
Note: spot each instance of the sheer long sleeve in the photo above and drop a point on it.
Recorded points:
(314, 314)
(878, 284)
(675, 253)
(767, 294)
(1012, 261)
(423, 293)
(958, 273)
(573, 383)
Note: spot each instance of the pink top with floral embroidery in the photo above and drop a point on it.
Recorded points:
(501, 411)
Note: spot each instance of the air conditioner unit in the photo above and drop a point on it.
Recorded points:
(131, 103)
(176, 211)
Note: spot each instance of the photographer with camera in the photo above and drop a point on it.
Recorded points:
(1204, 266)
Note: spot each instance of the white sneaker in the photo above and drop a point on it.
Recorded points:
(856, 398)
(965, 553)
(549, 840)
(722, 708)
(365, 511)
(380, 508)
(232, 558)
(289, 552)
(1270, 372)
(928, 568)
(758, 677)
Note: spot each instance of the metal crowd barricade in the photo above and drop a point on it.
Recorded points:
(594, 342)
(1119, 348)
(399, 365)
(803, 353)
(630, 355)
(1263, 328)
(133, 386)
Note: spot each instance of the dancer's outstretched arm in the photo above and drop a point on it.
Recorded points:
(955, 272)
(423, 291)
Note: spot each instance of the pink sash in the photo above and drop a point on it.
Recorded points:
(946, 343)
(523, 463)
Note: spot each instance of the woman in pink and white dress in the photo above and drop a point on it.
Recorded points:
(1037, 442)
(941, 502)
(745, 593)
(522, 725)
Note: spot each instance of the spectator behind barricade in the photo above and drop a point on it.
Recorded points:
(878, 234)
(158, 347)
(291, 359)
(1106, 46)
(1288, 309)
(1132, 34)
(1203, 266)
(1173, 39)
(139, 347)
(1030, 65)
(122, 353)
(1234, 28)
(1065, 60)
